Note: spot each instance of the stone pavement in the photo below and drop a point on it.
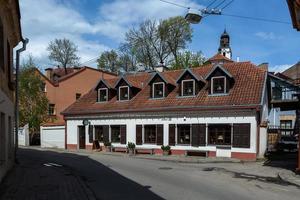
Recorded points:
(32, 179)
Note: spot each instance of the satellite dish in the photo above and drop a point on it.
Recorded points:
(193, 16)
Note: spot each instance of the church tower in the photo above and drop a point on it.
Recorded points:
(224, 48)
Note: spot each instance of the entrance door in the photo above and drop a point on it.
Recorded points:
(81, 131)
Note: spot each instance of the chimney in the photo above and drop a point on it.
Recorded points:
(161, 68)
(238, 59)
(49, 73)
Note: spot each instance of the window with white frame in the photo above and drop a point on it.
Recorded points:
(102, 94)
(123, 93)
(150, 134)
(158, 90)
(51, 109)
(218, 85)
(115, 131)
(184, 134)
(188, 87)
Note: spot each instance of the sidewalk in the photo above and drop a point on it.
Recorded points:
(251, 170)
(36, 180)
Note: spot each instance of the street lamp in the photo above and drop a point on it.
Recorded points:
(194, 16)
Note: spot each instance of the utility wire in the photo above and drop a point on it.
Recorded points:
(256, 18)
(219, 4)
(175, 4)
(212, 2)
(227, 4)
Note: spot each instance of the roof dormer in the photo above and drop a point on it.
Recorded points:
(104, 91)
(160, 85)
(189, 83)
(126, 89)
(220, 81)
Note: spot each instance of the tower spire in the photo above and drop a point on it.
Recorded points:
(224, 48)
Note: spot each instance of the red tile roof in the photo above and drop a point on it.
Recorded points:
(246, 92)
(219, 57)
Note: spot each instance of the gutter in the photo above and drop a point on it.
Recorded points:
(18, 52)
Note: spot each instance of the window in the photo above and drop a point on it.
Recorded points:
(99, 133)
(150, 134)
(158, 90)
(218, 85)
(43, 87)
(286, 127)
(183, 134)
(188, 87)
(219, 134)
(51, 109)
(2, 139)
(115, 134)
(123, 93)
(102, 94)
(78, 95)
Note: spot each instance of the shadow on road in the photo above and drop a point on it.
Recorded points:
(51, 175)
(284, 160)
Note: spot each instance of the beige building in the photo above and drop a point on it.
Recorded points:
(10, 36)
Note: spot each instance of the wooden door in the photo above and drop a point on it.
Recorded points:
(81, 131)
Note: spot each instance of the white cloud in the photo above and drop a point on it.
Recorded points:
(267, 36)
(43, 21)
(280, 68)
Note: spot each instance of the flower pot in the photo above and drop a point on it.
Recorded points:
(131, 151)
(166, 153)
(107, 149)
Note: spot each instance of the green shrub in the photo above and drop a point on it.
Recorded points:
(107, 144)
(131, 145)
(165, 148)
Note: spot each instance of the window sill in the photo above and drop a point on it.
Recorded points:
(192, 96)
(215, 95)
(101, 101)
(160, 98)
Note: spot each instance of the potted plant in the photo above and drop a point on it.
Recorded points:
(131, 148)
(107, 146)
(166, 150)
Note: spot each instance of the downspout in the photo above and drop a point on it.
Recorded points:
(18, 52)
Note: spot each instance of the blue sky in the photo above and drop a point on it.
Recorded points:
(96, 26)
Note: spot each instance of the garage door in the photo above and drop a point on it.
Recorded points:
(53, 137)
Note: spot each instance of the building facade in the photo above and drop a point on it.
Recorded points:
(10, 36)
(62, 90)
(211, 109)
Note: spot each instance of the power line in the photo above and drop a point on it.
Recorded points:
(175, 4)
(212, 2)
(227, 4)
(219, 4)
(256, 18)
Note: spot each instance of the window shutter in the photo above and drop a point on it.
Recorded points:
(202, 134)
(172, 134)
(160, 134)
(91, 134)
(123, 134)
(106, 133)
(241, 135)
(139, 129)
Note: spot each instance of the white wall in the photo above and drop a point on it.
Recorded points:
(72, 129)
(7, 107)
(53, 137)
(23, 136)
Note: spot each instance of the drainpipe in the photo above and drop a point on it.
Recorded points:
(18, 52)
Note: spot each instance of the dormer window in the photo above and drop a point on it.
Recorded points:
(123, 93)
(218, 85)
(102, 94)
(158, 90)
(188, 87)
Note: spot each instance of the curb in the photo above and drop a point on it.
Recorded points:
(289, 180)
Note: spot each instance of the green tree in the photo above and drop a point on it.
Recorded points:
(188, 59)
(64, 52)
(33, 103)
(108, 60)
(177, 32)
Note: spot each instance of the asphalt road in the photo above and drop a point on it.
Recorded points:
(117, 177)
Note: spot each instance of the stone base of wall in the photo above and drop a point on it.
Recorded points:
(211, 154)
(244, 156)
(72, 146)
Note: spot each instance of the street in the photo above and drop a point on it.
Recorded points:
(59, 175)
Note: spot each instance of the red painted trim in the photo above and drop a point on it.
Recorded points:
(72, 146)
(211, 154)
(88, 147)
(244, 156)
(177, 152)
(158, 151)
